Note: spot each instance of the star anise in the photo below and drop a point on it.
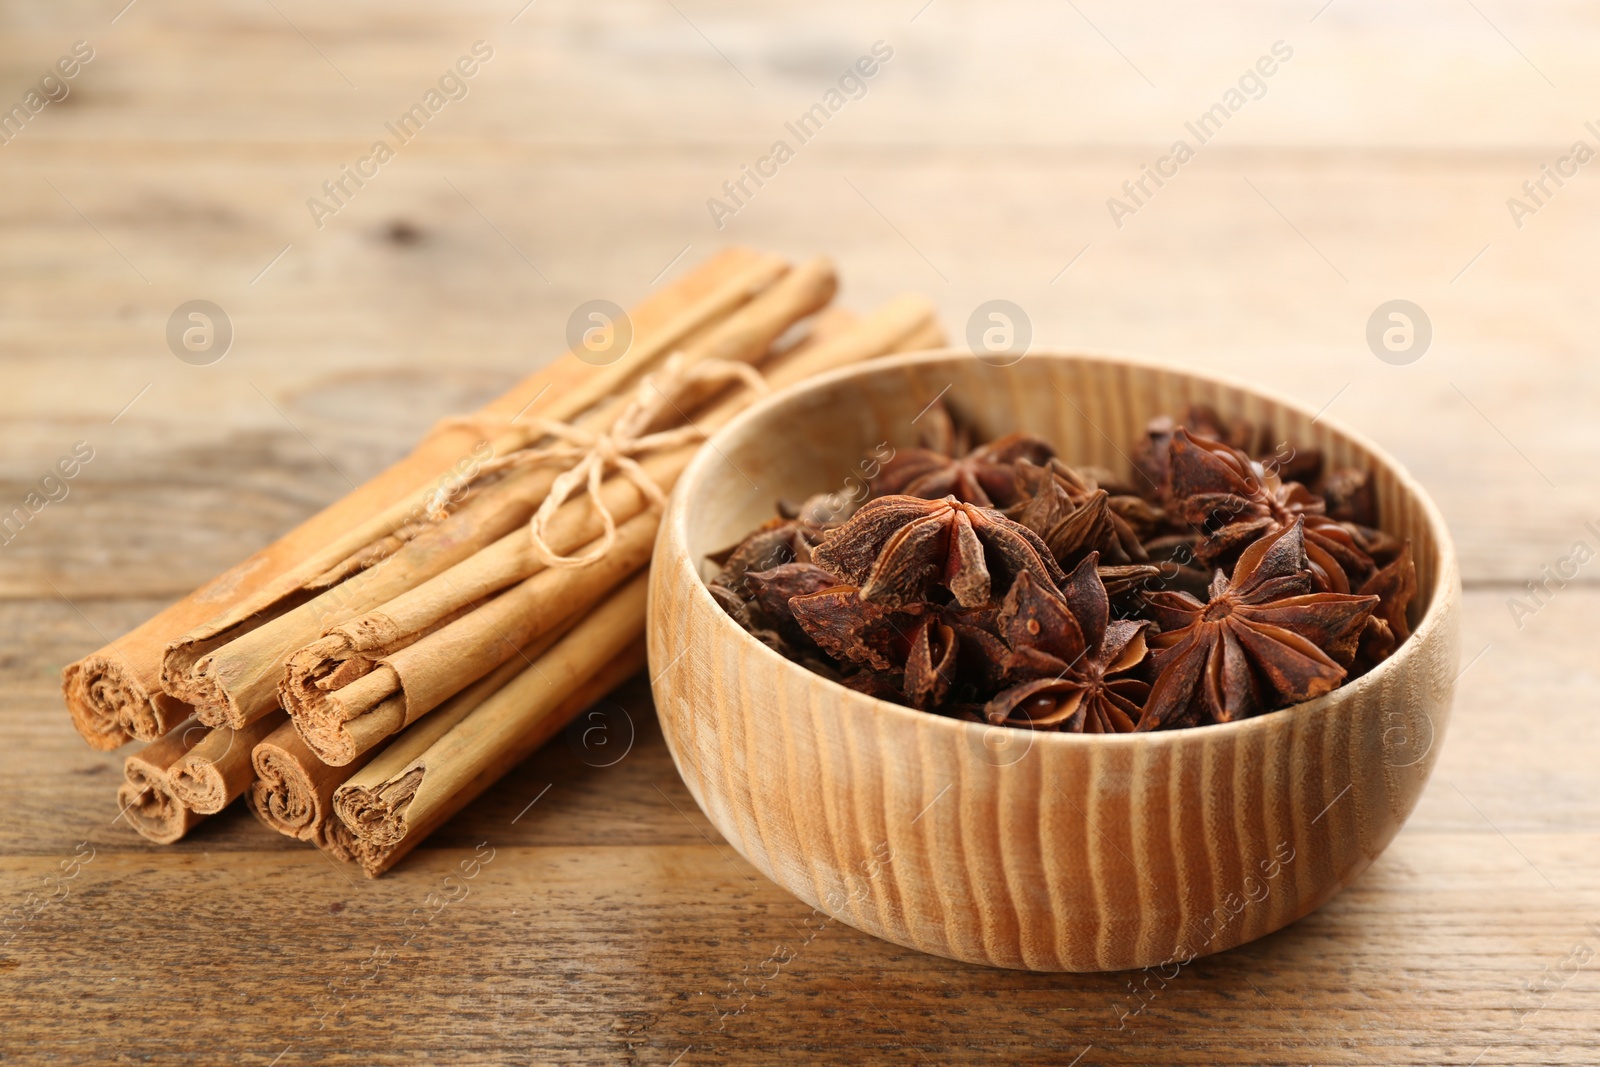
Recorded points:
(1145, 519)
(1264, 639)
(930, 645)
(982, 476)
(1072, 515)
(1150, 454)
(1151, 459)
(775, 542)
(1221, 490)
(853, 630)
(939, 431)
(820, 510)
(1068, 659)
(1348, 494)
(770, 593)
(1175, 558)
(1394, 585)
(1128, 577)
(897, 547)
(953, 606)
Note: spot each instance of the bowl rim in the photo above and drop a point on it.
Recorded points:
(1433, 621)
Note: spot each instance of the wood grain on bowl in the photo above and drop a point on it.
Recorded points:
(1015, 848)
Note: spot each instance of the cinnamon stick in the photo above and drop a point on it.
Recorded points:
(116, 693)
(217, 771)
(293, 790)
(904, 319)
(375, 859)
(235, 683)
(381, 801)
(402, 789)
(928, 337)
(341, 689)
(511, 559)
(286, 797)
(340, 723)
(145, 796)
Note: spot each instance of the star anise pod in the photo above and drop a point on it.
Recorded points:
(982, 476)
(1072, 515)
(1128, 577)
(775, 542)
(1264, 640)
(1151, 459)
(1068, 659)
(1145, 519)
(1348, 494)
(1150, 453)
(1174, 556)
(770, 593)
(1350, 498)
(1394, 585)
(929, 645)
(1381, 547)
(1221, 490)
(897, 547)
(931, 667)
(939, 431)
(853, 630)
(821, 511)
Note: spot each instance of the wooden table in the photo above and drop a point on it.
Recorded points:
(612, 924)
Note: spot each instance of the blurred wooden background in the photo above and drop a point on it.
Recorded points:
(613, 926)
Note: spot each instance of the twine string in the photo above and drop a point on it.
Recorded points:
(590, 454)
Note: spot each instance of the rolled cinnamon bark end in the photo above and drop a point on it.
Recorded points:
(155, 813)
(394, 800)
(110, 706)
(375, 858)
(414, 680)
(338, 842)
(217, 771)
(293, 791)
(146, 799)
(377, 815)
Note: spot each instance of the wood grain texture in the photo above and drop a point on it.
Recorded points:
(616, 926)
(1009, 847)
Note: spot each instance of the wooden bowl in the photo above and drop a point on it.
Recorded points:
(1009, 847)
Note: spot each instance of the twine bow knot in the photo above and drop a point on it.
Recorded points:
(592, 453)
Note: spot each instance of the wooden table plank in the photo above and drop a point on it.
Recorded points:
(613, 924)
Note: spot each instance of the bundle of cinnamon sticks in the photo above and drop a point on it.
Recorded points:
(371, 672)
